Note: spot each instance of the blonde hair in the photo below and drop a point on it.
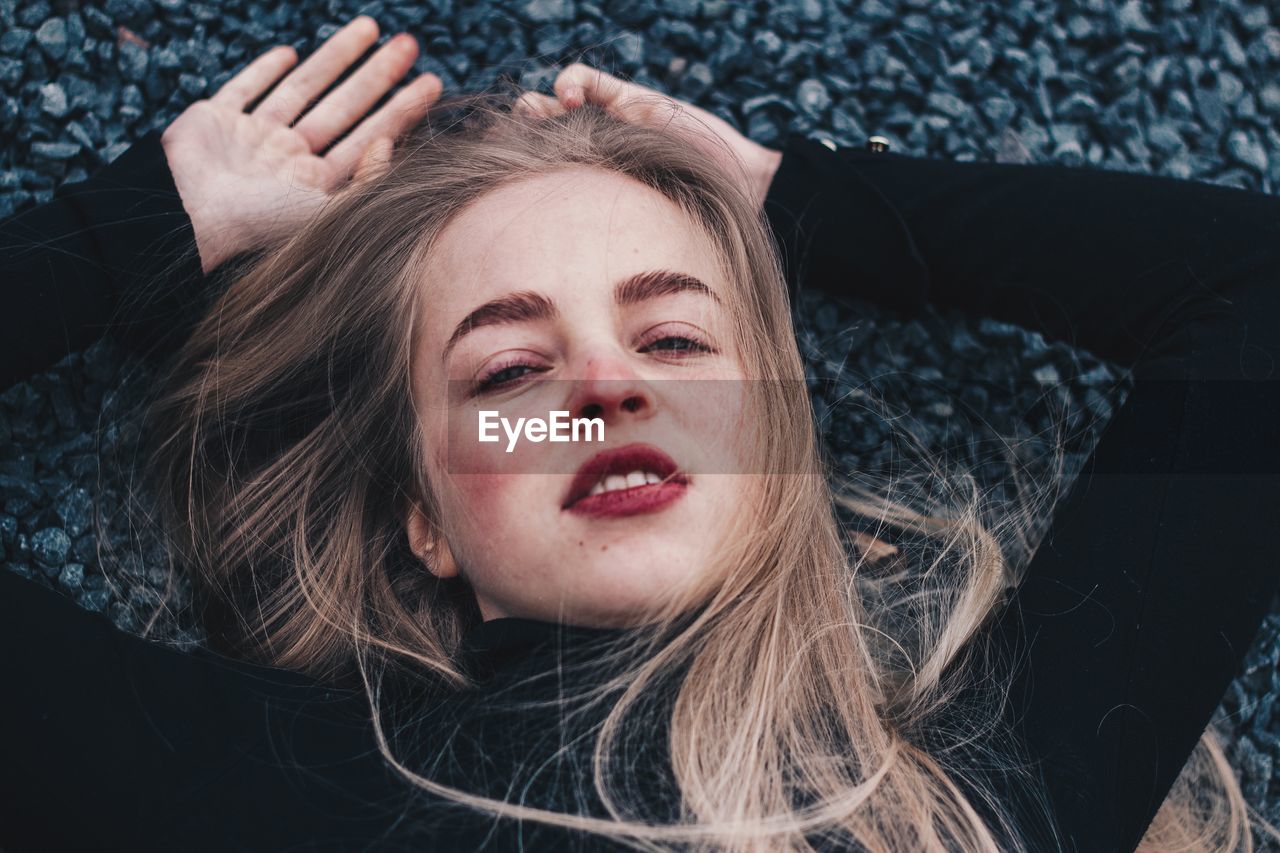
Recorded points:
(287, 448)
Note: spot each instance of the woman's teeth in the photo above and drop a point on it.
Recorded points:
(615, 482)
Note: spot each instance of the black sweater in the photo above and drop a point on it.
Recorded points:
(1133, 619)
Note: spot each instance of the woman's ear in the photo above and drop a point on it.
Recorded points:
(427, 546)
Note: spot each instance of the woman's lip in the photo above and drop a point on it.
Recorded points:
(622, 460)
(633, 501)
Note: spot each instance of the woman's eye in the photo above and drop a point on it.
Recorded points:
(502, 376)
(676, 343)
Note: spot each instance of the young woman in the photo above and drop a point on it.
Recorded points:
(436, 645)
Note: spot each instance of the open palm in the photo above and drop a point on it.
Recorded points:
(246, 176)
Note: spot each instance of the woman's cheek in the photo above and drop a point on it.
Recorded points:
(499, 510)
(711, 414)
(481, 496)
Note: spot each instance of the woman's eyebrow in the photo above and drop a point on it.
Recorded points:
(655, 283)
(512, 308)
(526, 305)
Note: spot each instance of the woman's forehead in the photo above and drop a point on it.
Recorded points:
(565, 228)
(563, 207)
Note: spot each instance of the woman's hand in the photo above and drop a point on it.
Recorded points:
(246, 176)
(579, 84)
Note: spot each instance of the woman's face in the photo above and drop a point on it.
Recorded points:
(588, 293)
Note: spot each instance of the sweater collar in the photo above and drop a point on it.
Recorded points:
(499, 643)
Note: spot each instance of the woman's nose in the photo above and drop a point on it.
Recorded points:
(609, 385)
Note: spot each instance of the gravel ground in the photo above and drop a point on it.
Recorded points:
(1178, 88)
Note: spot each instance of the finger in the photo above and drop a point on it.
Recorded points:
(404, 110)
(538, 104)
(345, 105)
(375, 160)
(287, 100)
(579, 83)
(256, 77)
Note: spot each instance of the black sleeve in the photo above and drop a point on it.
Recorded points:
(114, 252)
(115, 742)
(1138, 607)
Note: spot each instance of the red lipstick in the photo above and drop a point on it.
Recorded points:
(629, 501)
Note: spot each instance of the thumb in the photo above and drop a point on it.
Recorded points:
(375, 160)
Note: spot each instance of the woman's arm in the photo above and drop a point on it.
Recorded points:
(126, 249)
(150, 748)
(1137, 609)
(67, 264)
(1100, 259)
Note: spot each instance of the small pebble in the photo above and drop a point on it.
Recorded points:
(52, 38)
(53, 100)
(50, 546)
(813, 98)
(71, 576)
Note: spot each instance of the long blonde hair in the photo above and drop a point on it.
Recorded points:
(286, 448)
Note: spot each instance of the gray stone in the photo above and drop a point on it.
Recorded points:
(1179, 104)
(1165, 138)
(762, 129)
(1232, 50)
(999, 110)
(71, 576)
(50, 546)
(1248, 150)
(1269, 98)
(813, 98)
(713, 9)
(697, 80)
(10, 72)
(75, 509)
(546, 11)
(14, 41)
(947, 103)
(83, 138)
(18, 506)
(53, 100)
(1132, 19)
(52, 38)
(1046, 375)
(1229, 87)
(1079, 27)
(1158, 69)
(133, 62)
(12, 487)
(680, 8)
(94, 599)
(55, 150)
(629, 48)
(767, 42)
(1077, 106)
(1211, 108)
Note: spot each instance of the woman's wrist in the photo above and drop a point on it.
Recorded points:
(214, 241)
(766, 168)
